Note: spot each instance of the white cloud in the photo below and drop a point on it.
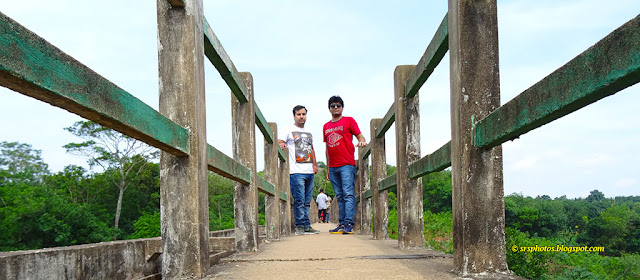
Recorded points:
(596, 160)
(525, 163)
(626, 182)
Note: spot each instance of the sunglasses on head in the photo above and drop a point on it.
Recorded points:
(333, 106)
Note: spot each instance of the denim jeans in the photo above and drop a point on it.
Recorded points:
(343, 181)
(301, 190)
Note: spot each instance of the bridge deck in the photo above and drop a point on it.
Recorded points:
(331, 255)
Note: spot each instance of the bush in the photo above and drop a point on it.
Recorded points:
(438, 231)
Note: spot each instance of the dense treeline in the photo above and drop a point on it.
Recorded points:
(594, 221)
(40, 209)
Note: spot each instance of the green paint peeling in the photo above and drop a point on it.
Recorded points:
(432, 56)
(227, 167)
(435, 162)
(387, 121)
(262, 124)
(387, 183)
(265, 187)
(34, 67)
(606, 68)
(216, 54)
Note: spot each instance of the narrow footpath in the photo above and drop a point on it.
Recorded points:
(335, 256)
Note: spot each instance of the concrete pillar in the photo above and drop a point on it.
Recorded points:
(478, 205)
(410, 213)
(335, 211)
(285, 206)
(357, 217)
(379, 172)
(184, 203)
(365, 203)
(313, 211)
(245, 196)
(272, 203)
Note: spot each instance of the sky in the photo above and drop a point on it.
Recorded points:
(303, 52)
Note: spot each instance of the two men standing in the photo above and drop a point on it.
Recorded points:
(338, 135)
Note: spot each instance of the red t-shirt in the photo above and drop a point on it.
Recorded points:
(339, 138)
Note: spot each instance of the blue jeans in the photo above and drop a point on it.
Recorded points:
(301, 190)
(343, 181)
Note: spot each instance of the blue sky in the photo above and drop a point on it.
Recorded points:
(302, 52)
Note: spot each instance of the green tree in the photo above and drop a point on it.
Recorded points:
(220, 202)
(19, 162)
(436, 192)
(114, 152)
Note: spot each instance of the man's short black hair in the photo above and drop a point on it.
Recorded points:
(298, 108)
(336, 99)
(321, 190)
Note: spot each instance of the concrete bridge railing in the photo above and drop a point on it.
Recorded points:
(479, 125)
(32, 66)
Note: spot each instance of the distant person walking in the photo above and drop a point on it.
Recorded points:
(338, 136)
(322, 201)
(328, 211)
(302, 167)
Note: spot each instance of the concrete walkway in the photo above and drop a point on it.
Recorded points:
(329, 256)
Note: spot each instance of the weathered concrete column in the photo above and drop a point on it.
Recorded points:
(184, 203)
(313, 211)
(410, 213)
(478, 205)
(365, 203)
(272, 203)
(245, 196)
(335, 211)
(378, 172)
(285, 206)
(357, 217)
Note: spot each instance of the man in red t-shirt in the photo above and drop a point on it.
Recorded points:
(338, 135)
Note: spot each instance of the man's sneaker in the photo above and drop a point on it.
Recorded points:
(348, 229)
(337, 230)
(311, 230)
(299, 230)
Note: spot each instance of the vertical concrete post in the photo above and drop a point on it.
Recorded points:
(335, 211)
(378, 172)
(365, 203)
(245, 196)
(478, 205)
(183, 181)
(410, 213)
(357, 217)
(272, 202)
(285, 206)
(313, 211)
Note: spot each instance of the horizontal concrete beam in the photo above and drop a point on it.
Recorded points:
(387, 121)
(262, 124)
(366, 152)
(436, 50)
(265, 187)
(387, 183)
(32, 66)
(607, 67)
(214, 51)
(225, 166)
(437, 161)
(367, 194)
(281, 155)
